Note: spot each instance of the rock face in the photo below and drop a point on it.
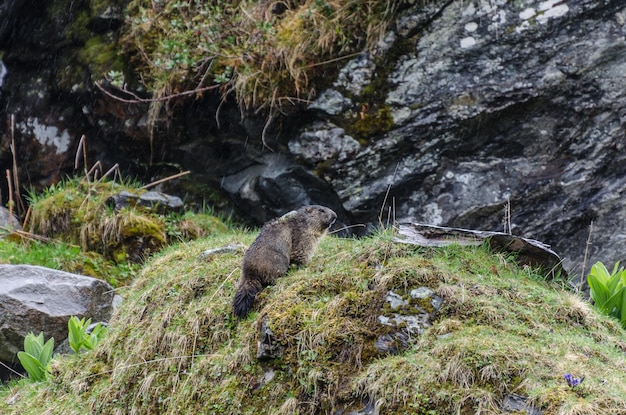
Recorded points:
(36, 299)
(463, 107)
(494, 102)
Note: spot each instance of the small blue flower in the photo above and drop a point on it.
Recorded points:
(573, 381)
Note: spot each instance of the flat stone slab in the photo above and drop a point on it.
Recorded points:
(527, 251)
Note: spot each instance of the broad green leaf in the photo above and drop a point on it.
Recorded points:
(599, 270)
(622, 275)
(78, 337)
(615, 282)
(614, 304)
(615, 268)
(32, 366)
(46, 352)
(75, 335)
(599, 292)
(33, 344)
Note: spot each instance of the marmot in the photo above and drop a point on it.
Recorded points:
(290, 239)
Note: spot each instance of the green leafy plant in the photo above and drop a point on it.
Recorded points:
(36, 356)
(79, 338)
(608, 290)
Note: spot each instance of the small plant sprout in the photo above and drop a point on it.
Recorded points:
(79, 337)
(573, 381)
(36, 356)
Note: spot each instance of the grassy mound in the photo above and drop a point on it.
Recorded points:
(174, 347)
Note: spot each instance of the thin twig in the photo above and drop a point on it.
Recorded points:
(507, 217)
(115, 169)
(29, 235)
(9, 183)
(136, 99)
(582, 272)
(268, 122)
(97, 165)
(16, 180)
(343, 228)
(393, 179)
(175, 176)
(78, 151)
(11, 369)
(27, 216)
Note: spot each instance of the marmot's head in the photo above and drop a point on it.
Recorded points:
(318, 217)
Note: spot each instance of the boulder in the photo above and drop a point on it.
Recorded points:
(37, 299)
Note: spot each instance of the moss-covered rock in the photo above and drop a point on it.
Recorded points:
(77, 211)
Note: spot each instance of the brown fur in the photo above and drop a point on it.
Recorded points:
(290, 239)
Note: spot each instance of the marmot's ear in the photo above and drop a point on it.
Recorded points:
(287, 215)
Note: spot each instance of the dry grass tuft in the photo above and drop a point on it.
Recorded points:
(270, 55)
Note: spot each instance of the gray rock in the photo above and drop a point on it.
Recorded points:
(423, 293)
(527, 251)
(517, 403)
(276, 184)
(331, 102)
(324, 141)
(395, 301)
(37, 299)
(7, 221)
(502, 101)
(356, 74)
(407, 318)
(156, 201)
(268, 346)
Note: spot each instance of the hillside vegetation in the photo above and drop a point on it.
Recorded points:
(269, 55)
(173, 346)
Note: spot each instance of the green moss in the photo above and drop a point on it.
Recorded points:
(76, 211)
(87, 56)
(373, 119)
(102, 54)
(371, 123)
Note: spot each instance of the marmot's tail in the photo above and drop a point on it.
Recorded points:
(244, 297)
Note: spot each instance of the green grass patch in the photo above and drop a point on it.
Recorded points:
(173, 347)
(66, 257)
